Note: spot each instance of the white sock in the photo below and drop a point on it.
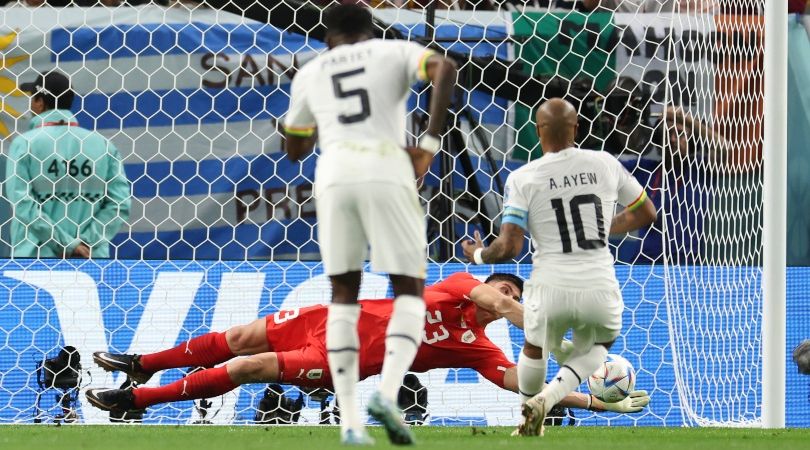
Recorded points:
(343, 346)
(572, 374)
(402, 339)
(531, 376)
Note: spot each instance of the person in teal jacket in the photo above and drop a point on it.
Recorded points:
(66, 184)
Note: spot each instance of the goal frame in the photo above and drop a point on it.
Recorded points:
(774, 230)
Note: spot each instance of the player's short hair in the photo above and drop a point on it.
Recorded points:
(350, 20)
(500, 276)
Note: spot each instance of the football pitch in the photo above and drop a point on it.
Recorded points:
(325, 438)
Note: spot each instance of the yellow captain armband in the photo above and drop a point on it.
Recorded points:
(422, 74)
(638, 202)
(299, 131)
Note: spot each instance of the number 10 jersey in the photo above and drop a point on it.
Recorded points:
(355, 95)
(566, 200)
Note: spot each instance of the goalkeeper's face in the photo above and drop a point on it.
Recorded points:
(507, 288)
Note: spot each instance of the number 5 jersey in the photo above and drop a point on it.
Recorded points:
(355, 95)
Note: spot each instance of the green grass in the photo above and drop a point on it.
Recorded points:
(325, 438)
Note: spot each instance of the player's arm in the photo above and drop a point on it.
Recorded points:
(441, 72)
(506, 246)
(514, 224)
(640, 210)
(491, 299)
(464, 285)
(634, 403)
(635, 216)
(299, 123)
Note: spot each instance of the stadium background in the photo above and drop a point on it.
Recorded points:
(173, 67)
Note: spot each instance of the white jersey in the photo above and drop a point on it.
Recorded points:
(355, 94)
(566, 200)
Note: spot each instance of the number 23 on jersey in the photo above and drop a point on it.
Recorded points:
(434, 334)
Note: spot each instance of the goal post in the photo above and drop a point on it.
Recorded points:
(774, 228)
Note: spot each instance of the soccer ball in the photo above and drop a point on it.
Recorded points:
(613, 380)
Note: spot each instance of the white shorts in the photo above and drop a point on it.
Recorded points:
(595, 316)
(386, 217)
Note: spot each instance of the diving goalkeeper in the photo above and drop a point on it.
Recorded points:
(288, 347)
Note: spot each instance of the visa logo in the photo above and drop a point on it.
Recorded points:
(76, 299)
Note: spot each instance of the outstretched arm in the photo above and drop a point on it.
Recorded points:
(491, 299)
(506, 246)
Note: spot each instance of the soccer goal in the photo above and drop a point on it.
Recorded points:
(221, 228)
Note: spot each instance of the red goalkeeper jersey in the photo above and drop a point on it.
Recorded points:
(452, 338)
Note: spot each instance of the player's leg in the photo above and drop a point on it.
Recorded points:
(343, 347)
(545, 322)
(403, 334)
(207, 350)
(205, 383)
(600, 319)
(531, 370)
(395, 224)
(532, 361)
(394, 221)
(343, 244)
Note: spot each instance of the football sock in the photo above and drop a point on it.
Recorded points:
(203, 384)
(402, 339)
(342, 346)
(207, 350)
(531, 375)
(572, 374)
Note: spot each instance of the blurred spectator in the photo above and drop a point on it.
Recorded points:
(677, 184)
(65, 184)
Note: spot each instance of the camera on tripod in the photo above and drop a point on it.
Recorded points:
(63, 373)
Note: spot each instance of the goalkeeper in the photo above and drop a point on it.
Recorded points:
(289, 347)
(65, 183)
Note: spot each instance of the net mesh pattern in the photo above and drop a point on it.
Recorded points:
(219, 228)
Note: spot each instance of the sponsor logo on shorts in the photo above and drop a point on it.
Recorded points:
(315, 374)
(468, 337)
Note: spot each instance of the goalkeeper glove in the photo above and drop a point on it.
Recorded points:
(633, 403)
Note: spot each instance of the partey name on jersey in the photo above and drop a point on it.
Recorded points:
(361, 54)
(577, 179)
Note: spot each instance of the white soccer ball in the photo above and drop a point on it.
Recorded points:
(613, 381)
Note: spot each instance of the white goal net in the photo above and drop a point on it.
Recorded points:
(218, 228)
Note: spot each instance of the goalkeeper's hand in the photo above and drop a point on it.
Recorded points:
(633, 403)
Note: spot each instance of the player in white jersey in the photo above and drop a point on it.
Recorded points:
(566, 200)
(365, 193)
